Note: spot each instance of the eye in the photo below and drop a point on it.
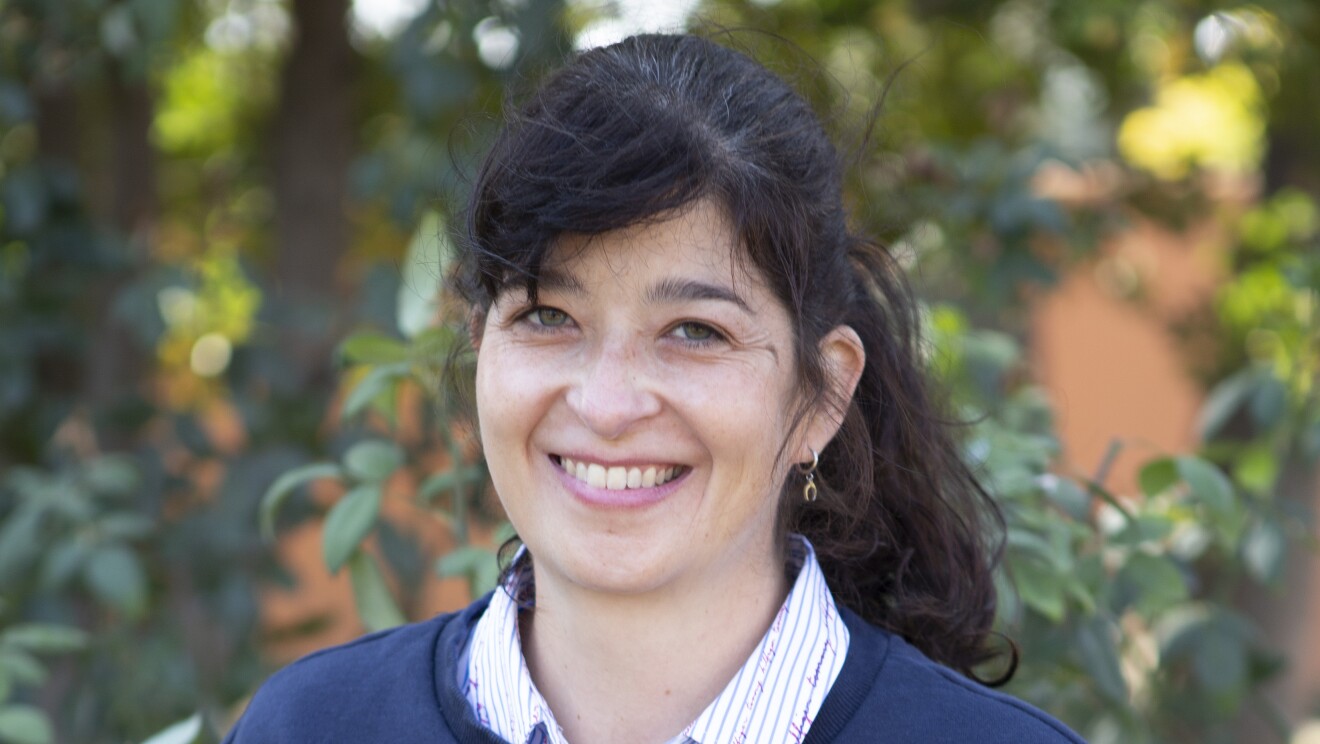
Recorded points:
(695, 332)
(548, 316)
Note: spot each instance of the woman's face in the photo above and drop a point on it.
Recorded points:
(632, 417)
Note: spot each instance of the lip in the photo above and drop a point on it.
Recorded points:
(626, 498)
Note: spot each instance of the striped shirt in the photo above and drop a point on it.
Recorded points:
(773, 698)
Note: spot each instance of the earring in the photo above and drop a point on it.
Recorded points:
(809, 471)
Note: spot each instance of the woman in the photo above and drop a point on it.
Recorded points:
(700, 400)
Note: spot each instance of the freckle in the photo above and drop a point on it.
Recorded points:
(667, 692)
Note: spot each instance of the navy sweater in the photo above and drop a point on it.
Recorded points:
(402, 685)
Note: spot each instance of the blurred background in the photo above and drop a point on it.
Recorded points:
(224, 436)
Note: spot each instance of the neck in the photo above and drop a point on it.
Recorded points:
(641, 667)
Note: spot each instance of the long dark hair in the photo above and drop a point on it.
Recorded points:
(906, 536)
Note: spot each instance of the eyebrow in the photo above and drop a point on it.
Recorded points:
(670, 290)
(681, 290)
(559, 281)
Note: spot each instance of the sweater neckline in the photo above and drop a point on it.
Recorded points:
(867, 653)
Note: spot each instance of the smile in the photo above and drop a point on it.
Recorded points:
(618, 478)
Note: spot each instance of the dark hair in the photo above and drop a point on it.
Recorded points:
(636, 130)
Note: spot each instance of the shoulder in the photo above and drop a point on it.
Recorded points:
(387, 684)
(894, 687)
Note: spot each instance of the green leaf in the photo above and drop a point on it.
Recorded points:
(21, 666)
(182, 732)
(63, 561)
(1269, 402)
(1209, 485)
(1224, 401)
(111, 476)
(115, 576)
(373, 348)
(43, 638)
(1143, 529)
(284, 485)
(1157, 476)
(375, 604)
(423, 276)
(448, 480)
(125, 526)
(348, 523)
(1151, 583)
(1094, 641)
(1220, 660)
(370, 387)
(1070, 497)
(373, 460)
(24, 724)
(1264, 548)
(479, 566)
(1040, 588)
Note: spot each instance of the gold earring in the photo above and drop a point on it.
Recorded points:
(809, 490)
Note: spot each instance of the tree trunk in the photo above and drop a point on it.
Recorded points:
(312, 145)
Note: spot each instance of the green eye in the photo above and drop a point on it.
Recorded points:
(695, 331)
(549, 316)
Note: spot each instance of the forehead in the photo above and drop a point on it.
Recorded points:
(699, 240)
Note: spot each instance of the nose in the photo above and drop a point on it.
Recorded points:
(613, 391)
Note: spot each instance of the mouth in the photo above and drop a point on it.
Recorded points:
(619, 477)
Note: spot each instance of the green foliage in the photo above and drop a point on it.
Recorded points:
(21, 723)
(1119, 605)
(128, 552)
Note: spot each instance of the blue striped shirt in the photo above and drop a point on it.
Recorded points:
(773, 698)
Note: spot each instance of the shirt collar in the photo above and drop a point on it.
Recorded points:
(773, 697)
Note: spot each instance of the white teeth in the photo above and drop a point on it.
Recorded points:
(617, 478)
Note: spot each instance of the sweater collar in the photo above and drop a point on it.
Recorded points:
(776, 695)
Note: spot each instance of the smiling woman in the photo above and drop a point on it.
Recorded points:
(699, 395)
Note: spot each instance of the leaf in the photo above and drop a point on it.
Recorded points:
(284, 485)
(1219, 660)
(375, 604)
(114, 575)
(1157, 476)
(448, 480)
(182, 732)
(371, 386)
(111, 475)
(24, 724)
(1153, 584)
(1269, 402)
(1224, 401)
(44, 638)
(1263, 550)
(1143, 529)
(63, 561)
(348, 523)
(1208, 483)
(373, 348)
(21, 666)
(1095, 645)
(481, 568)
(1040, 588)
(125, 526)
(423, 276)
(373, 460)
(1070, 497)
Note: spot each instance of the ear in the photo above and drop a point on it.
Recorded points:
(844, 358)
